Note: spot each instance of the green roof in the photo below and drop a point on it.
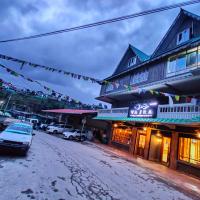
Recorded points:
(141, 55)
(152, 120)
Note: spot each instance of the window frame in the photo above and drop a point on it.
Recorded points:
(183, 36)
(188, 151)
(132, 61)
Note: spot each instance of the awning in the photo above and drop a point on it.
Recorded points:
(70, 111)
(152, 120)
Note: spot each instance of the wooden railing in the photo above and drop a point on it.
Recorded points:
(114, 112)
(175, 111)
(178, 111)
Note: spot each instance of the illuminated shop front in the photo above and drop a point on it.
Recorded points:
(160, 147)
(189, 150)
(122, 134)
(174, 148)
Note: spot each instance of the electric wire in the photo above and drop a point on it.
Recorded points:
(108, 21)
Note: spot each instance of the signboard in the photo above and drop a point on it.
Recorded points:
(146, 110)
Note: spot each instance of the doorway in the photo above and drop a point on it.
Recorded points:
(166, 150)
(141, 143)
(160, 148)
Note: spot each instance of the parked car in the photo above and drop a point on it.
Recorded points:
(17, 136)
(43, 127)
(58, 128)
(74, 134)
(32, 120)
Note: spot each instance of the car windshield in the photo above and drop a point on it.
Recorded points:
(20, 129)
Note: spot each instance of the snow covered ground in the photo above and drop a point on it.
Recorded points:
(55, 169)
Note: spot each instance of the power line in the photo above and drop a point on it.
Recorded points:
(109, 21)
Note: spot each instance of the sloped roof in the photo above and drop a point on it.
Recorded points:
(182, 46)
(181, 14)
(141, 55)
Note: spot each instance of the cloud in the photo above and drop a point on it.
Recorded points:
(94, 52)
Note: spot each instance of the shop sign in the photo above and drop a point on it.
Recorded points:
(148, 110)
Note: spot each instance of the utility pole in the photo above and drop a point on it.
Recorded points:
(83, 122)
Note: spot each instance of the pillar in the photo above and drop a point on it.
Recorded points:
(174, 151)
(110, 132)
(132, 145)
(147, 143)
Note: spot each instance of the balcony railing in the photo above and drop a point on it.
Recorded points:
(175, 111)
(114, 112)
(178, 111)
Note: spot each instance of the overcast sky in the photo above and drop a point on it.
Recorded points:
(93, 52)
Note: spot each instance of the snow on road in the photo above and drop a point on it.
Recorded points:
(55, 169)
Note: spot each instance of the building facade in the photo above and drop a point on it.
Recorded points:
(155, 99)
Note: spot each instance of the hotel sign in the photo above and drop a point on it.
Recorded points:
(146, 110)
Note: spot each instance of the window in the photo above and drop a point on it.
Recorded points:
(109, 87)
(171, 67)
(189, 150)
(189, 58)
(192, 58)
(184, 36)
(131, 62)
(181, 62)
(139, 77)
(142, 140)
(122, 135)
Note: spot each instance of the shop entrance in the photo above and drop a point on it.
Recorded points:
(166, 150)
(141, 142)
(160, 148)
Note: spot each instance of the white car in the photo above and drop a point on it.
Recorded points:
(17, 136)
(58, 128)
(73, 134)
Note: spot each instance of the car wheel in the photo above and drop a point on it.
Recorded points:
(55, 132)
(70, 137)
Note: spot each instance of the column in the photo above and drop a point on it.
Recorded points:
(133, 141)
(147, 143)
(174, 151)
(110, 129)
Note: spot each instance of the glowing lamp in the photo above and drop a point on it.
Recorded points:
(144, 128)
(115, 125)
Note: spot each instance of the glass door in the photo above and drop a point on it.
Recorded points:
(166, 150)
(141, 145)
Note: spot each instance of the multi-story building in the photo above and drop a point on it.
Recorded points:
(155, 111)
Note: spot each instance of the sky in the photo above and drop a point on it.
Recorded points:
(93, 52)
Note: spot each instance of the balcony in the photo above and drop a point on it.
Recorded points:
(175, 111)
(114, 112)
(178, 111)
